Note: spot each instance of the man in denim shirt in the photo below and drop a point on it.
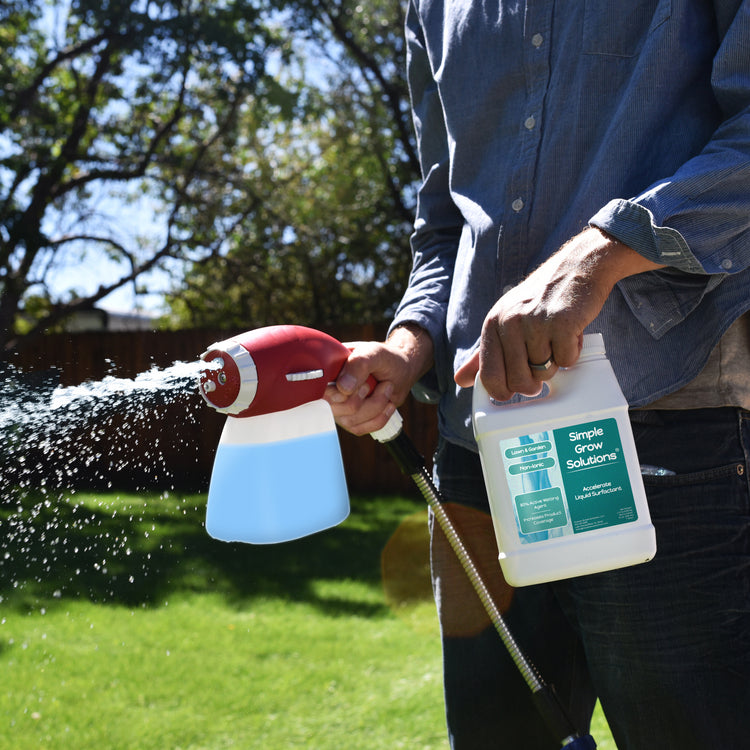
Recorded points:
(586, 167)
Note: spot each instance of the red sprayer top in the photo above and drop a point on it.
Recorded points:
(270, 369)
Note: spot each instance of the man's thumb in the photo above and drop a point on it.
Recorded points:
(467, 373)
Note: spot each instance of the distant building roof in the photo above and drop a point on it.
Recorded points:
(98, 319)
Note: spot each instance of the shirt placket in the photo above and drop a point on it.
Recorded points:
(534, 58)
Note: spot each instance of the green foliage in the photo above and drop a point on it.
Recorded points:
(322, 221)
(267, 144)
(323, 245)
(108, 101)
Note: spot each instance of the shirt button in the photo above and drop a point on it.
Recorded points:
(529, 123)
(726, 264)
(537, 40)
(517, 205)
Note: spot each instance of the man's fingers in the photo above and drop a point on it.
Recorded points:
(363, 412)
(567, 349)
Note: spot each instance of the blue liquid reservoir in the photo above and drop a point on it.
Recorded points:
(277, 477)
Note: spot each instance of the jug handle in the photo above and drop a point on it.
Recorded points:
(552, 390)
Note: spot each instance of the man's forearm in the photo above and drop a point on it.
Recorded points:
(417, 345)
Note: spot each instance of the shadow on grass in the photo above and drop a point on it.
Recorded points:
(151, 548)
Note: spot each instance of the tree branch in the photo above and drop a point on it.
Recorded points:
(27, 95)
(369, 63)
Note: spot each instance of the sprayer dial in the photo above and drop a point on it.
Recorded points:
(230, 381)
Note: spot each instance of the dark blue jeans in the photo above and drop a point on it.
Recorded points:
(664, 645)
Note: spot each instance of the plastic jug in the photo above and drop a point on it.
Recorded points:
(563, 476)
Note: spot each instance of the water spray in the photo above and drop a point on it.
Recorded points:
(58, 443)
(275, 374)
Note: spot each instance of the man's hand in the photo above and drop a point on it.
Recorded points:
(396, 365)
(543, 318)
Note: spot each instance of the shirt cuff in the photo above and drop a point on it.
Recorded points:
(635, 226)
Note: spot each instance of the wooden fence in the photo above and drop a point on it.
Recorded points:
(162, 445)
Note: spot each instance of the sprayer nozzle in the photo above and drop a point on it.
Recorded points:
(229, 381)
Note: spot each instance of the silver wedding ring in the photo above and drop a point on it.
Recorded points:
(544, 367)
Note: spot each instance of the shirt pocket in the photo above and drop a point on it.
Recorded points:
(618, 28)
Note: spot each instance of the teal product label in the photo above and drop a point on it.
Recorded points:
(569, 480)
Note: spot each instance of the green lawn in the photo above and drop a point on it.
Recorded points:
(124, 626)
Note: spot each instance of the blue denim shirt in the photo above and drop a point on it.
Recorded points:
(535, 119)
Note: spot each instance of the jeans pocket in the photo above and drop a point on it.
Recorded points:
(727, 471)
(704, 515)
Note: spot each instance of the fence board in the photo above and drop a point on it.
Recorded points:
(172, 445)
